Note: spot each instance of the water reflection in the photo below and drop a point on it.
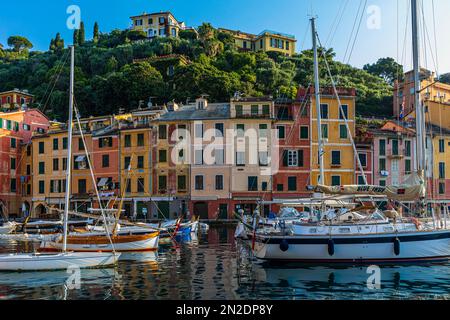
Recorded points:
(214, 266)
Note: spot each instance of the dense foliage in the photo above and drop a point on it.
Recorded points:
(107, 79)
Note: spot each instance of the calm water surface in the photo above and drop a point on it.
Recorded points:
(214, 266)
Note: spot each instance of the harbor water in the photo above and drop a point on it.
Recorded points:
(215, 266)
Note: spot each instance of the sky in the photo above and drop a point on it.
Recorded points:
(360, 31)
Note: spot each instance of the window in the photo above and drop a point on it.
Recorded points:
(252, 183)
(292, 183)
(266, 109)
(324, 111)
(162, 156)
(127, 162)
(263, 159)
(26, 127)
(199, 130)
(80, 144)
(28, 170)
(264, 186)
(198, 182)
(55, 144)
(254, 110)
(13, 163)
(140, 185)
(263, 130)
(140, 140)
(82, 186)
(162, 184)
(41, 187)
(64, 140)
(407, 148)
(335, 180)
(382, 183)
(441, 145)
(441, 170)
(64, 161)
(345, 109)
(127, 141)
(363, 159)
(140, 163)
(292, 157)
(324, 131)
(13, 143)
(128, 186)
(335, 158)
(280, 187)
(219, 182)
(162, 20)
(395, 147)
(41, 147)
(162, 132)
(239, 111)
(304, 132)
(343, 134)
(382, 165)
(181, 183)
(382, 148)
(28, 150)
(361, 181)
(240, 158)
(105, 161)
(199, 157)
(441, 188)
(105, 142)
(407, 166)
(219, 156)
(41, 167)
(219, 129)
(287, 45)
(150, 20)
(240, 130)
(281, 132)
(56, 164)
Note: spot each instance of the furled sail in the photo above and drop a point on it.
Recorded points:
(413, 188)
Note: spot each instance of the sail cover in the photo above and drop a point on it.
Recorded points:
(413, 188)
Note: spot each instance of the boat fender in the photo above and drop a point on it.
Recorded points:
(284, 245)
(397, 246)
(331, 247)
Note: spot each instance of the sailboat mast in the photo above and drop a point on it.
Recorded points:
(321, 179)
(69, 148)
(420, 121)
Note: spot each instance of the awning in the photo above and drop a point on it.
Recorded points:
(80, 158)
(103, 182)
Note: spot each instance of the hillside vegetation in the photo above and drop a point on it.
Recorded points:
(107, 79)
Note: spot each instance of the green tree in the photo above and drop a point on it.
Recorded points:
(386, 68)
(57, 44)
(19, 43)
(206, 32)
(96, 33)
(76, 36)
(81, 34)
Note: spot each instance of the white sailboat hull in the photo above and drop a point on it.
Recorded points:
(60, 261)
(7, 228)
(415, 246)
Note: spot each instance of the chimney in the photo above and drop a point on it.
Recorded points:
(202, 102)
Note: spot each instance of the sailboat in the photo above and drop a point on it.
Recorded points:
(362, 236)
(64, 259)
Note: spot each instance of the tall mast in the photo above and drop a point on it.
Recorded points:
(420, 116)
(321, 179)
(69, 147)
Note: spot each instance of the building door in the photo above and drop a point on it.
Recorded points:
(223, 211)
(201, 209)
(395, 174)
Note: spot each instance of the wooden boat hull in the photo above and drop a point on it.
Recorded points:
(411, 247)
(60, 261)
(95, 243)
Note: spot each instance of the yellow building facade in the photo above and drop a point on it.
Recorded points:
(338, 158)
(159, 24)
